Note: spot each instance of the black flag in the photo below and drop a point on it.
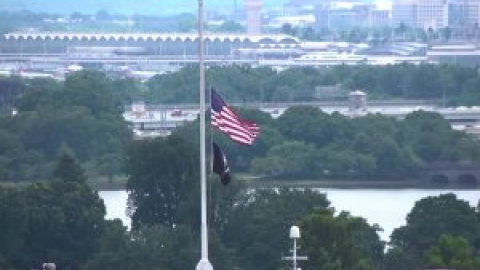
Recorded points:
(220, 165)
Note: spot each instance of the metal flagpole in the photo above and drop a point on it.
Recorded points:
(204, 263)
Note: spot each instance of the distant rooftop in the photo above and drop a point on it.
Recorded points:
(152, 36)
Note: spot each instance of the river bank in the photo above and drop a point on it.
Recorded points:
(120, 184)
(356, 184)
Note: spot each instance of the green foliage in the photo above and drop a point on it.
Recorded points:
(291, 158)
(259, 221)
(181, 86)
(14, 212)
(230, 27)
(454, 84)
(58, 222)
(162, 173)
(431, 218)
(397, 259)
(67, 168)
(82, 113)
(114, 248)
(90, 89)
(308, 124)
(10, 88)
(305, 142)
(340, 242)
(452, 252)
(432, 138)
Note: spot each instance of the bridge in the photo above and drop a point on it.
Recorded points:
(452, 174)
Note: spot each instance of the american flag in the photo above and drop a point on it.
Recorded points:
(225, 119)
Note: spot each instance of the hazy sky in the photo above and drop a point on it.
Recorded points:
(150, 7)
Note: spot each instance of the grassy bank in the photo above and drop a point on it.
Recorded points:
(355, 184)
(120, 182)
(103, 183)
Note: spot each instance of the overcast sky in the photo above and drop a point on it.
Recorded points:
(149, 7)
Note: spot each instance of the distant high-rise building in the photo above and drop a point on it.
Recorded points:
(421, 13)
(472, 12)
(254, 16)
(354, 14)
(436, 14)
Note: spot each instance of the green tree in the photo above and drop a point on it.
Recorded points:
(259, 222)
(114, 249)
(14, 225)
(40, 93)
(185, 22)
(470, 95)
(162, 174)
(397, 259)
(82, 113)
(150, 248)
(433, 217)
(308, 124)
(230, 26)
(10, 88)
(67, 168)
(90, 89)
(453, 252)
(433, 139)
(340, 242)
(45, 222)
(290, 159)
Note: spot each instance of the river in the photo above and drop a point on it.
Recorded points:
(386, 207)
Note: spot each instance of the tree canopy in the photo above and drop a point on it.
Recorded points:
(162, 174)
(436, 225)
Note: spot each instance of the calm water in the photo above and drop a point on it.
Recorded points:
(386, 207)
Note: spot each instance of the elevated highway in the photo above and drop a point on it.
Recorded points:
(159, 120)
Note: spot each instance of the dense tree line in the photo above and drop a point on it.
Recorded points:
(248, 227)
(82, 113)
(441, 232)
(306, 143)
(455, 84)
(58, 221)
(62, 221)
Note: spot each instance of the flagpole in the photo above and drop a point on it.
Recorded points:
(204, 263)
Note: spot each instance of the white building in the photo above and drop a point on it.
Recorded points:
(421, 13)
(436, 14)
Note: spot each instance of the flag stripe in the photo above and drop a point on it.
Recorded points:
(237, 130)
(226, 120)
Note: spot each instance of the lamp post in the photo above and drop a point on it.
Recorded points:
(294, 235)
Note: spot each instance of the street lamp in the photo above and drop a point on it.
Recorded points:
(294, 235)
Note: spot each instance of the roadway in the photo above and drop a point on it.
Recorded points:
(166, 117)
